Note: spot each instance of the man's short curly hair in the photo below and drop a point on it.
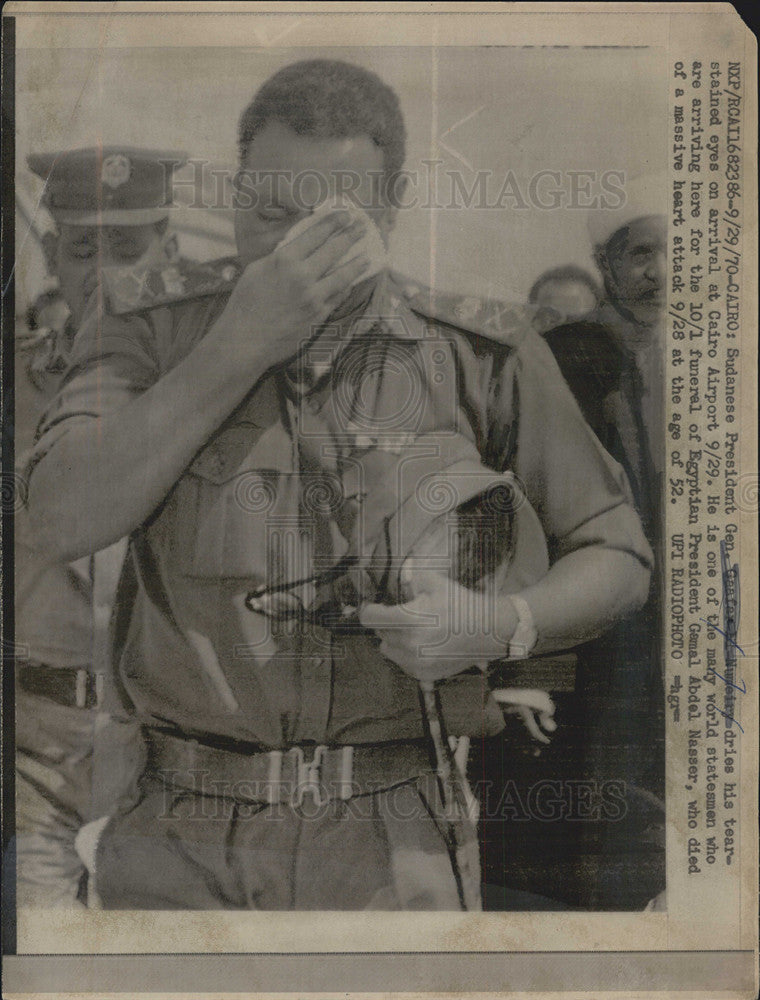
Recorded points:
(329, 99)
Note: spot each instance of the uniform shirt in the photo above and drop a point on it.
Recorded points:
(53, 603)
(256, 505)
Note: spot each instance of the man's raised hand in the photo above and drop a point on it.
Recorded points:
(280, 299)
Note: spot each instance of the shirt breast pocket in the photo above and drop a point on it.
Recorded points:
(233, 504)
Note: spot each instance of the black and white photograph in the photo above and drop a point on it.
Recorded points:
(364, 525)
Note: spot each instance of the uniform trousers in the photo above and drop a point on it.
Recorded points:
(171, 848)
(71, 764)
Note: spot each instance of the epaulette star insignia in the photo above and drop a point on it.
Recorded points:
(179, 281)
(503, 322)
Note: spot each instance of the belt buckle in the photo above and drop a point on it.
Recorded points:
(88, 685)
(308, 775)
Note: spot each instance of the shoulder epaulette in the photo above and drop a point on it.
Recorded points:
(180, 281)
(506, 323)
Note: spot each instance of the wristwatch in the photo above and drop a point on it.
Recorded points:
(525, 635)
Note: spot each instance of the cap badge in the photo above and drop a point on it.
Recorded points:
(116, 170)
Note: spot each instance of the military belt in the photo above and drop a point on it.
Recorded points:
(270, 776)
(72, 687)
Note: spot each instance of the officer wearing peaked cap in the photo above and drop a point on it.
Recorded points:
(107, 185)
(109, 212)
(270, 449)
(111, 205)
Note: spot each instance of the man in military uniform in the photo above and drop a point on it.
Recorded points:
(270, 450)
(108, 210)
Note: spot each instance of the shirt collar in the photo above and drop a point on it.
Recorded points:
(381, 305)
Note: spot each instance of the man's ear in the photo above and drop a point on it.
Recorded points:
(609, 281)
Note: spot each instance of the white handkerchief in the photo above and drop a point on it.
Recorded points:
(371, 244)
